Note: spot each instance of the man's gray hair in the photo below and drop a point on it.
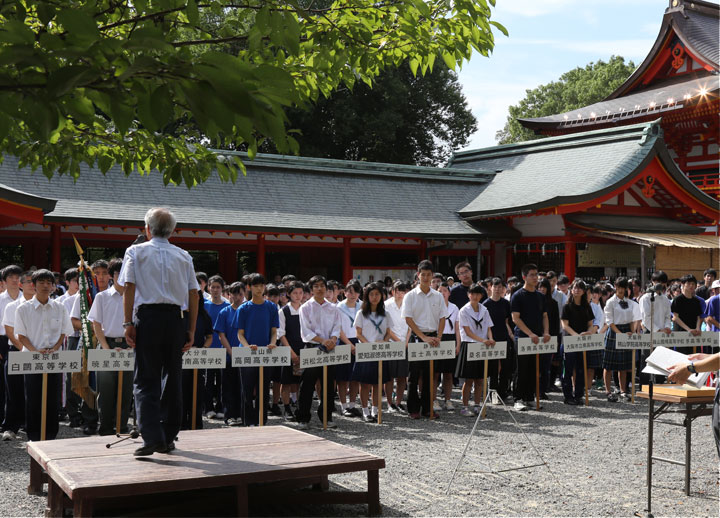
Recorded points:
(160, 221)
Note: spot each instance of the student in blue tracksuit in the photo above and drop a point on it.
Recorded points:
(256, 322)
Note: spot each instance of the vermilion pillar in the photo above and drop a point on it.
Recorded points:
(55, 247)
(261, 254)
(347, 266)
(423, 250)
(570, 260)
(508, 262)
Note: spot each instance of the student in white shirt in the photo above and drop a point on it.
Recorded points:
(446, 367)
(320, 328)
(623, 316)
(106, 315)
(290, 336)
(475, 326)
(14, 384)
(372, 324)
(397, 370)
(41, 324)
(425, 312)
(10, 276)
(347, 387)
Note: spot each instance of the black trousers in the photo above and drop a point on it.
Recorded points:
(524, 377)
(250, 380)
(14, 398)
(33, 405)
(187, 384)
(4, 348)
(73, 402)
(307, 387)
(231, 391)
(160, 336)
(419, 370)
(500, 381)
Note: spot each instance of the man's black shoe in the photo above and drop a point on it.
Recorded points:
(144, 451)
(76, 422)
(572, 402)
(275, 410)
(169, 447)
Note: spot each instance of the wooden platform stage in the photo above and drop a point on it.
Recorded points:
(272, 460)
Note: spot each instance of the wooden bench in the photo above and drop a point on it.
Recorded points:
(86, 472)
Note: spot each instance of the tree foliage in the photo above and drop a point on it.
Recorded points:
(577, 88)
(402, 119)
(153, 84)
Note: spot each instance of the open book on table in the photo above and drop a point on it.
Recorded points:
(662, 358)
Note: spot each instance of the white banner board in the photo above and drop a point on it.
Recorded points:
(419, 351)
(525, 346)
(204, 358)
(29, 362)
(579, 343)
(262, 357)
(316, 357)
(377, 351)
(633, 341)
(480, 351)
(102, 360)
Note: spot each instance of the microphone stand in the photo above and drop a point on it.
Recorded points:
(651, 408)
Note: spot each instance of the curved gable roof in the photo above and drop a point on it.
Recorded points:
(573, 168)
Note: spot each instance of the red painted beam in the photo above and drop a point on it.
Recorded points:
(570, 260)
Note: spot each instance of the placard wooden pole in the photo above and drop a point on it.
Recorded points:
(379, 392)
(632, 377)
(324, 397)
(194, 400)
(587, 400)
(118, 403)
(484, 391)
(537, 382)
(43, 409)
(261, 395)
(432, 388)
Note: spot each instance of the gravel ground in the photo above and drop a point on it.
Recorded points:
(596, 460)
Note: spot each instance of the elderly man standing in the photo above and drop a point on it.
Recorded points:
(158, 280)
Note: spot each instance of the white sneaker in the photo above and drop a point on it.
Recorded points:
(219, 415)
(476, 409)
(391, 410)
(230, 422)
(210, 414)
(303, 426)
(331, 425)
(436, 406)
(465, 411)
(449, 406)
(9, 435)
(520, 406)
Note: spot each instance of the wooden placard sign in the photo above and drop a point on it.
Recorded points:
(205, 358)
(262, 357)
(31, 362)
(480, 351)
(419, 351)
(576, 344)
(378, 351)
(316, 357)
(104, 360)
(526, 347)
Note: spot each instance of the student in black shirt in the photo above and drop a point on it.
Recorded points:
(529, 313)
(459, 292)
(704, 291)
(577, 319)
(500, 371)
(553, 313)
(687, 310)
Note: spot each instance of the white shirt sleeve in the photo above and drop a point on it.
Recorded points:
(127, 271)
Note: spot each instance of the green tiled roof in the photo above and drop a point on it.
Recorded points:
(279, 194)
(557, 170)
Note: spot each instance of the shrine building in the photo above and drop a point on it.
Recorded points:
(621, 187)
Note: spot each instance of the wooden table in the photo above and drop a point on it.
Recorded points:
(85, 471)
(692, 408)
